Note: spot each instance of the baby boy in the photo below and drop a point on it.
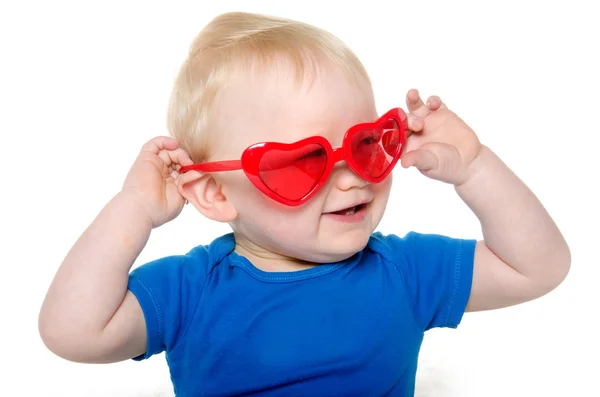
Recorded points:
(275, 132)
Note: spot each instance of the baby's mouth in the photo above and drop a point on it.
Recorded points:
(349, 211)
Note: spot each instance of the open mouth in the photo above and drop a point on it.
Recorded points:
(349, 211)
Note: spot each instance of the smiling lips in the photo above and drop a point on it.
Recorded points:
(349, 215)
(351, 210)
(348, 211)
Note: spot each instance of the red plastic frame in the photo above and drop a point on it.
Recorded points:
(250, 160)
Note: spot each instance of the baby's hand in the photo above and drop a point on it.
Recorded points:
(440, 144)
(151, 181)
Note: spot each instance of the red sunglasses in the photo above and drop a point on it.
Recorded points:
(291, 173)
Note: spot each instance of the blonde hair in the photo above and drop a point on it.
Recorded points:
(239, 39)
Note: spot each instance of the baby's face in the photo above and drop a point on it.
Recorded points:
(271, 108)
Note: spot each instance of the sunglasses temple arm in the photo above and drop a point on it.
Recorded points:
(217, 166)
(229, 165)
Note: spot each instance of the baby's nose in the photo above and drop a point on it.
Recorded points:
(345, 178)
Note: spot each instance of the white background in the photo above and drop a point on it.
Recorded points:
(84, 84)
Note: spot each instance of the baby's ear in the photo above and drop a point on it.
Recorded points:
(205, 193)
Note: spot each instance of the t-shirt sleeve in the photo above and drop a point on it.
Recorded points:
(437, 272)
(168, 290)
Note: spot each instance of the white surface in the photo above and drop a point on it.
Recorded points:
(84, 84)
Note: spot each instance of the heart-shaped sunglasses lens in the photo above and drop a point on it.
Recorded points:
(293, 173)
(373, 150)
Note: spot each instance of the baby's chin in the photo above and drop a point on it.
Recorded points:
(342, 251)
(330, 249)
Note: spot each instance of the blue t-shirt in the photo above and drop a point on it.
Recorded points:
(351, 328)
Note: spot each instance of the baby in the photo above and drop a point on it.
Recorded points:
(275, 132)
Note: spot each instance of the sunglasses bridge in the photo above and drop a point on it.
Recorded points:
(338, 155)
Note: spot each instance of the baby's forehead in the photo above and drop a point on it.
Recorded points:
(274, 107)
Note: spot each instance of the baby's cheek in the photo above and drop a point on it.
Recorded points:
(382, 195)
(282, 232)
(245, 196)
(384, 187)
(289, 226)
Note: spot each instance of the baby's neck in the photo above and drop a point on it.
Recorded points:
(268, 261)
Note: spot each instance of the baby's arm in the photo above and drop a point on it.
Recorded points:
(88, 314)
(523, 254)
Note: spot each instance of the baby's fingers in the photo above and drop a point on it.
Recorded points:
(415, 104)
(434, 102)
(174, 159)
(422, 159)
(155, 145)
(181, 158)
(415, 124)
(436, 160)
